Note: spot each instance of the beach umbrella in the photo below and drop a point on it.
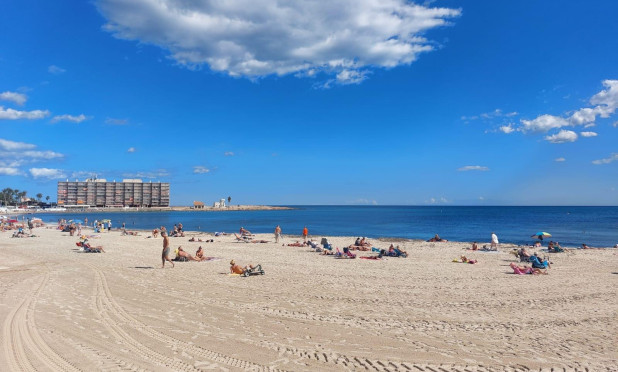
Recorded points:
(541, 235)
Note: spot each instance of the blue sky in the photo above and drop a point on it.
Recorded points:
(339, 102)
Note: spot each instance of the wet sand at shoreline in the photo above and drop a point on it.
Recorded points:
(62, 309)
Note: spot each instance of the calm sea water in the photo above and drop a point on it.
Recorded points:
(571, 226)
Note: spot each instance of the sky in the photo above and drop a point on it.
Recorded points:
(364, 102)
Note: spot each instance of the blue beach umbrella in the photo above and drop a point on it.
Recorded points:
(541, 235)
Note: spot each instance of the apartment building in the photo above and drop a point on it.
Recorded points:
(95, 192)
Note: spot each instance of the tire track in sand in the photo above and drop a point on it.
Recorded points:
(22, 340)
(108, 309)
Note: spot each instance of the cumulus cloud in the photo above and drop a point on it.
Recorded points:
(49, 173)
(11, 114)
(612, 158)
(15, 154)
(71, 118)
(10, 171)
(228, 153)
(563, 136)
(588, 134)
(53, 69)
(473, 168)
(198, 169)
(112, 121)
(507, 129)
(559, 160)
(269, 37)
(15, 146)
(17, 98)
(543, 123)
(131, 149)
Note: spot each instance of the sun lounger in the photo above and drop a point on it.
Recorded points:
(257, 270)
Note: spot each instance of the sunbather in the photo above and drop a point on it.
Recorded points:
(437, 238)
(522, 270)
(89, 248)
(244, 231)
(182, 255)
(297, 244)
(237, 269)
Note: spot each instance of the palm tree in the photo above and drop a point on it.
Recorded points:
(39, 196)
(47, 198)
(229, 200)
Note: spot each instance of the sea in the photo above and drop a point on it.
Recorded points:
(570, 226)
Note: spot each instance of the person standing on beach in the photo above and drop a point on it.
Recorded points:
(165, 255)
(305, 233)
(109, 225)
(494, 241)
(86, 221)
(277, 233)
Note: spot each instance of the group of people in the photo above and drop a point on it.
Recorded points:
(361, 244)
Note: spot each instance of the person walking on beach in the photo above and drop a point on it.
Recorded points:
(305, 233)
(165, 255)
(494, 241)
(277, 233)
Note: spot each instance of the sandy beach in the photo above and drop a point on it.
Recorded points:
(62, 309)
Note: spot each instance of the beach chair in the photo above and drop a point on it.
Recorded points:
(326, 244)
(257, 270)
(348, 254)
(538, 264)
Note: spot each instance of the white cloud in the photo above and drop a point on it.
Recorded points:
(131, 149)
(71, 118)
(473, 168)
(265, 37)
(15, 146)
(562, 137)
(228, 153)
(613, 157)
(10, 114)
(112, 121)
(543, 123)
(47, 173)
(198, 169)
(53, 69)
(615, 125)
(606, 100)
(8, 171)
(497, 113)
(363, 201)
(605, 103)
(559, 160)
(588, 134)
(18, 98)
(507, 129)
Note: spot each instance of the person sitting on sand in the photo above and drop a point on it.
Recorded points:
(182, 255)
(523, 252)
(585, 246)
(194, 240)
(237, 269)
(244, 231)
(437, 238)
(522, 270)
(475, 246)
(89, 248)
(155, 233)
(199, 254)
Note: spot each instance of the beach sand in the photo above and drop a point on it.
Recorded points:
(61, 309)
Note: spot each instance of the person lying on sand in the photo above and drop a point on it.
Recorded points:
(522, 270)
(297, 244)
(237, 269)
(465, 259)
(180, 253)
